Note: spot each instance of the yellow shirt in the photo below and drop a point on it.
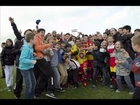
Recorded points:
(74, 48)
(89, 56)
(81, 56)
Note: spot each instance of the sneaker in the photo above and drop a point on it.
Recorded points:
(117, 91)
(60, 90)
(9, 89)
(111, 86)
(51, 95)
(34, 97)
(93, 86)
(75, 86)
(17, 97)
(131, 92)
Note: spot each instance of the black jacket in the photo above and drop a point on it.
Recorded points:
(126, 40)
(100, 58)
(117, 37)
(17, 47)
(8, 56)
(18, 43)
(16, 32)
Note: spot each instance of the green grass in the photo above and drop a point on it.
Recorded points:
(100, 92)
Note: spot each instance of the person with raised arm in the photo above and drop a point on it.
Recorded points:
(18, 45)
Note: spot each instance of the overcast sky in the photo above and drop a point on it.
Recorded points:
(86, 19)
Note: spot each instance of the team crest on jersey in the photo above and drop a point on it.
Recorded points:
(81, 55)
(138, 64)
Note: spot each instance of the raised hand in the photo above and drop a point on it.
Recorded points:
(11, 19)
(125, 53)
(20, 31)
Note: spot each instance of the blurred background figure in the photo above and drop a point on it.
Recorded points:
(2, 46)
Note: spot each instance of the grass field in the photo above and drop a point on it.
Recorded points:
(100, 92)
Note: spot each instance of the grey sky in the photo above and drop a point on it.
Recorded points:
(86, 19)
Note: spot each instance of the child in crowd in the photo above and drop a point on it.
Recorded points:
(133, 65)
(122, 71)
(73, 68)
(27, 61)
(112, 63)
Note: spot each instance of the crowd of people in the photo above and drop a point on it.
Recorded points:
(55, 61)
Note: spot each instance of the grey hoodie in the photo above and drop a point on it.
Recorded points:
(54, 58)
(120, 69)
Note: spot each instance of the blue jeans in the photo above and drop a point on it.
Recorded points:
(56, 77)
(30, 83)
(128, 82)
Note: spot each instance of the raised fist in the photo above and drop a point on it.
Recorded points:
(11, 19)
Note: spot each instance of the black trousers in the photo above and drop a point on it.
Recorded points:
(104, 73)
(3, 73)
(44, 74)
(73, 77)
(136, 94)
(132, 78)
(18, 83)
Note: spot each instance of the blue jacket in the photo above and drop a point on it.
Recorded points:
(134, 66)
(26, 57)
(60, 51)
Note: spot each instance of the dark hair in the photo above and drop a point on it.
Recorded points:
(10, 41)
(107, 31)
(68, 45)
(3, 43)
(114, 29)
(120, 28)
(137, 30)
(85, 35)
(29, 36)
(97, 43)
(41, 29)
(67, 34)
(127, 27)
(77, 38)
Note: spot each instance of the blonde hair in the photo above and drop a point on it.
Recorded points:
(48, 39)
(136, 39)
